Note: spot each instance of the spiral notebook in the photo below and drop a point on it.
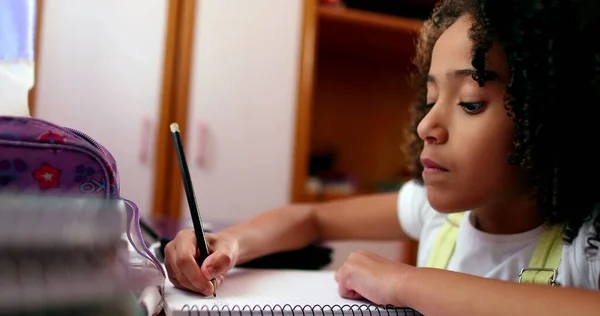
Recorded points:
(249, 292)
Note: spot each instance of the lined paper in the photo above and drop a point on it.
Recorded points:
(266, 287)
(251, 291)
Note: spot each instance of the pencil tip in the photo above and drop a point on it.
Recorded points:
(174, 127)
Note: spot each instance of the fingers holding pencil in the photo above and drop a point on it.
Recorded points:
(181, 264)
(181, 261)
(223, 257)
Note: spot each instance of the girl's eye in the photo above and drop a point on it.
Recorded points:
(472, 107)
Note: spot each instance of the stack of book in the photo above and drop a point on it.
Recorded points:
(63, 256)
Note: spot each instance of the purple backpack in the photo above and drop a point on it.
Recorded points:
(41, 158)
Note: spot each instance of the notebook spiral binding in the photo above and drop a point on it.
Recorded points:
(299, 310)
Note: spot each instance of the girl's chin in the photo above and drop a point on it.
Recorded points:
(446, 202)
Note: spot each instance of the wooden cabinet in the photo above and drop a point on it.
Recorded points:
(357, 112)
(353, 110)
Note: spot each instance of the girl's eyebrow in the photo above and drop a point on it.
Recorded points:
(462, 73)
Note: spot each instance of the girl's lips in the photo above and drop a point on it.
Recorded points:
(432, 165)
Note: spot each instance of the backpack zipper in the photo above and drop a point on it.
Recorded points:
(86, 137)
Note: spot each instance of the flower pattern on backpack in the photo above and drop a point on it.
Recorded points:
(51, 137)
(47, 176)
(10, 169)
(83, 172)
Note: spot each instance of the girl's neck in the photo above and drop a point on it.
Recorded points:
(514, 217)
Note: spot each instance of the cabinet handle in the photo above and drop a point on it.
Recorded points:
(145, 139)
(201, 148)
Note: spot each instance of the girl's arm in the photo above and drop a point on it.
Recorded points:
(291, 227)
(282, 229)
(438, 292)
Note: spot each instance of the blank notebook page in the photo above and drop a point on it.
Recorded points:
(256, 289)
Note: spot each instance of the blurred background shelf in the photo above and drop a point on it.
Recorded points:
(359, 103)
(369, 35)
(344, 15)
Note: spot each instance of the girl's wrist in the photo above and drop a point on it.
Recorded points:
(406, 286)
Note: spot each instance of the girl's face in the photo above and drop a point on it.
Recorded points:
(467, 132)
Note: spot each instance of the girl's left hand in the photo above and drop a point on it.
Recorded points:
(367, 275)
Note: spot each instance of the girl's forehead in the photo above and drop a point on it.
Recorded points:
(454, 50)
(454, 46)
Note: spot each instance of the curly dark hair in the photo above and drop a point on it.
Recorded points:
(553, 53)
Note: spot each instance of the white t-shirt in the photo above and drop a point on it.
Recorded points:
(487, 255)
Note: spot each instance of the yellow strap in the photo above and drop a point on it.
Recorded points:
(443, 248)
(546, 255)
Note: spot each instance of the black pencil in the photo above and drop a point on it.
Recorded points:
(191, 198)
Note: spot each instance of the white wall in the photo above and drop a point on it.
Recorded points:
(244, 89)
(16, 78)
(101, 72)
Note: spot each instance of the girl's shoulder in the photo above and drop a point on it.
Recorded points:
(581, 259)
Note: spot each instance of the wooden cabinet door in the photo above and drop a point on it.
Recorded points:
(100, 71)
(241, 115)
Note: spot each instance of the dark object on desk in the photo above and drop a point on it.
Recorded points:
(309, 258)
(313, 257)
(406, 8)
(160, 251)
(149, 235)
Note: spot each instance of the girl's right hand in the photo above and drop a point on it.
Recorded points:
(183, 270)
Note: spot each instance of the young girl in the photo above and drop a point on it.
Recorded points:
(504, 135)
